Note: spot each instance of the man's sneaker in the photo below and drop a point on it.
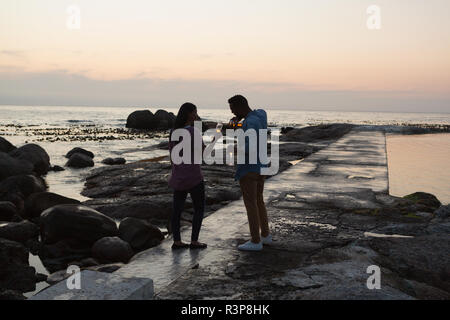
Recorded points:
(267, 240)
(250, 246)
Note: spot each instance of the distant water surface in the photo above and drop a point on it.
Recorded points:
(419, 163)
(116, 117)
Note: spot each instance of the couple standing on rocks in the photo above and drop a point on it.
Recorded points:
(187, 178)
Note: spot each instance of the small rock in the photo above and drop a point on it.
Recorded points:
(115, 161)
(139, 234)
(112, 249)
(57, 168)
(79, 150)
(425, 201)
(79, 160)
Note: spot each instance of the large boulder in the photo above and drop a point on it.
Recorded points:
(141, 119)
(7, 210)
(10, 166)
(72, 221)
(59, 255)
(15, 273)
(79, 150)
(79, 160)
(112, 249)
(17, 188)
(19, 231)
(36, 155)
(6, 146)
(164, 120)
(24, 184)
(139, 234)
(41, 201)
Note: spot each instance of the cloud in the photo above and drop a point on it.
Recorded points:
(63, 88)
(14, 53)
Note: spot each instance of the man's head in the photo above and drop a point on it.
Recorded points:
(239, 106)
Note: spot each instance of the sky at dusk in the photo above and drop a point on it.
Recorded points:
(310, 55)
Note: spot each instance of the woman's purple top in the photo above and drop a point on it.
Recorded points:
(185, 176)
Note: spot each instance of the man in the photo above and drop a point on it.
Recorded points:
(250, 178)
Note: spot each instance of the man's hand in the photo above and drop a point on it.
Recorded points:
(234, 121)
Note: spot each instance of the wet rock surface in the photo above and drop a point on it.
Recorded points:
(330, 215)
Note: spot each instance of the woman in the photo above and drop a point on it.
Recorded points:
(187, 178)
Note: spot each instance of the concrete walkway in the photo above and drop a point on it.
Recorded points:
(341, 174)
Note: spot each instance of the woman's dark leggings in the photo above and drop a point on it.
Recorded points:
(198, 200)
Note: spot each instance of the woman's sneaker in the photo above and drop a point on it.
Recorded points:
(250, 246)
(267, 240)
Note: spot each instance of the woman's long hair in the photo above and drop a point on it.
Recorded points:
(183, 114)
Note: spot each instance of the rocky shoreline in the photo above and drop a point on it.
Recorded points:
(129, 208)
